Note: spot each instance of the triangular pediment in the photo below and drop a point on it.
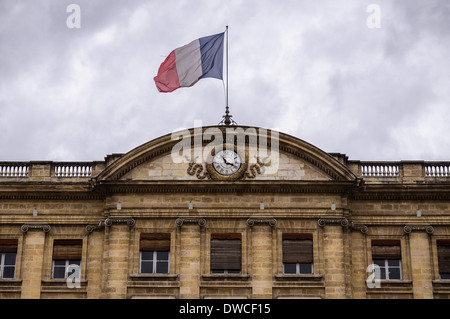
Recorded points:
(189, 156)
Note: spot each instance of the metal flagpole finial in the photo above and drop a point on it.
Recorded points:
(227, 118)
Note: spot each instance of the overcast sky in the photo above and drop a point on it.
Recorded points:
(311, 69)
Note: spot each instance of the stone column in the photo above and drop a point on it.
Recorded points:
(190, 253)
(333, 251)
(262, 257)
(118, 242)
(32, 259)
(421, 267)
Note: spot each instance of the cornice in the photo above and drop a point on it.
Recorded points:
(392, 192)
(39, 195)
(209, 186)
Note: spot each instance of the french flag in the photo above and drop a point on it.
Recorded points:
(202, 58)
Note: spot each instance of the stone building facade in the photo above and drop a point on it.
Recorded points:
(301, 224)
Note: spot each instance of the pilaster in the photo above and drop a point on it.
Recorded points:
(262, 256)
(333, 251)
(421, 268)
(189, 258)
(118, 242)
(32, 259)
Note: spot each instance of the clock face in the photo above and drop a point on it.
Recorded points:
(226, 162)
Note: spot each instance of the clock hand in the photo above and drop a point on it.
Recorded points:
(226, 161)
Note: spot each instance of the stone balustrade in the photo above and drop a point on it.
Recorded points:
(401, 171)
(14, 169)
(49, 170)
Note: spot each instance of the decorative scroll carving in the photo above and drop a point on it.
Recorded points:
(120, 220)
(91, 227)
(426, 228)
(261, 221)
(26, 227)
(197, 169)
(190, 220)
(359, 227)
(209, 173)
(255, 169)
(338, 221)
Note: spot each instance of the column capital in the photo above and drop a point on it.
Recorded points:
(44, 227)
(333, 221)
(359, 227)
(120, 220)
(261, 221)
(420, 228)
(180, 221)
(91, 227)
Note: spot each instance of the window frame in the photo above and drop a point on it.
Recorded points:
(301, 238)
(442, 272)
(67, 263)
(225, 237)
(154, 261)
(387, 267)
(298, 269)
(2, 266)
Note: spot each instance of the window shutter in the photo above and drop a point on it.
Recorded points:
(297, 248)
(154, 242)
(64, 249)
(386, 249)
(8, 245)
(443, 250)
(225, 251)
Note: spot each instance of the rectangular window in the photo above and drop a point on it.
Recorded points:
(443, 250)
(226, 253)
(66, 258)
(386, 254)
(297, 254)
(8, 255)
(154, 253)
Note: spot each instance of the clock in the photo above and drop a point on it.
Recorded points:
(226, 162)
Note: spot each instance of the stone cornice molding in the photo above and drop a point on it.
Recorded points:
(200, 221)
(210, 186)
(252, 221)
(44, 227)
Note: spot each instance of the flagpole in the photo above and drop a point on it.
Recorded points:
(227, 117)
(226, 49)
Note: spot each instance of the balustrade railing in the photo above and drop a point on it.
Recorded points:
(380, 169)
(14, 169)
(437, 169)
(73, 169)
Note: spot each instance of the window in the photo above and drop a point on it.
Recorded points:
(8, 254)
(154, 253)
(387, 255)
(297, 254)
(443, 250)
(66, 258)
(226, 253)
